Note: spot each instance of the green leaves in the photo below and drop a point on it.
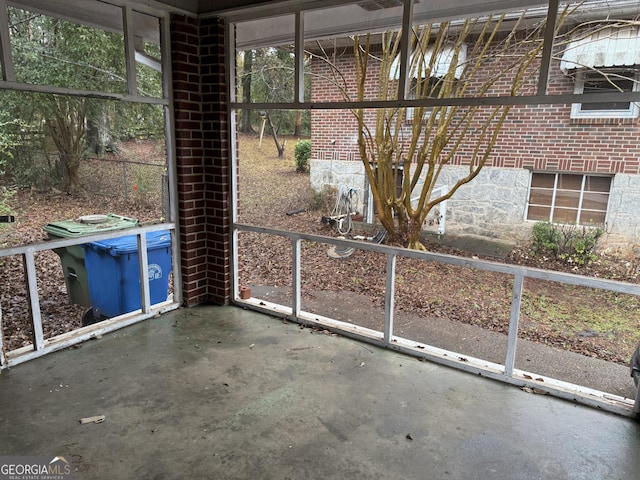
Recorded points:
(570, 243)
(303, 153)
(55, 52)
(52, 133)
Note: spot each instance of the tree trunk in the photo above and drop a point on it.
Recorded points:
(98, 137)
(245, 123)
(298, 130)
(71, 166)
(66, 126)
(274, 134)
(414, 230)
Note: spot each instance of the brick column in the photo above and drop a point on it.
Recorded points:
(202, 156)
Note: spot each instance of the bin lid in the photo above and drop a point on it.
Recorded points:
(88, 225)
(129, 243)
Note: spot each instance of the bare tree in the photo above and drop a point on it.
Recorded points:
(475, 57)
(274, 133)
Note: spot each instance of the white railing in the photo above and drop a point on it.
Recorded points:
(505, 371)
(41, 346)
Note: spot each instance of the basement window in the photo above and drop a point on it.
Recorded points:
(580, 199)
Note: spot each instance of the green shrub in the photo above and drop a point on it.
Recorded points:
(5, 209)
(546, 238)
(302, 153)
(569, 243)
(5, 196)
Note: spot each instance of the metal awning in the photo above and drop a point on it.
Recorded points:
(605, 47)
(440, 66)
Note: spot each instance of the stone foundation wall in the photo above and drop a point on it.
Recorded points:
(623, 220)
(494, 203)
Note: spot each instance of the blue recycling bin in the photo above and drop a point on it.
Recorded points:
(113, 273)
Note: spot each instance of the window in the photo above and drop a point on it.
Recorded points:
(604, 59)
(423, 88)
(606, 80)
(568, 198)
(428, 78)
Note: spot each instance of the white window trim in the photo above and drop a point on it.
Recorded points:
(576, 108)
(552, 205)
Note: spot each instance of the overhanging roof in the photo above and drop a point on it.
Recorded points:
(268, 25)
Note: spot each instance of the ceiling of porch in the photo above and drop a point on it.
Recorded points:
(97, 13)
(462, 6)
(330, 16)
(327, 18)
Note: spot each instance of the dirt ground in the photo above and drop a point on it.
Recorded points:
(33, 209)
(270, 191)
(424, 290)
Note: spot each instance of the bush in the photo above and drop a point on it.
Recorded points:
(546, 238)
(569, 243)
(5, 196)
(302, 153)
(323, 200)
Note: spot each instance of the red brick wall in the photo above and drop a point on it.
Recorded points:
(540, 137)
(199, 93)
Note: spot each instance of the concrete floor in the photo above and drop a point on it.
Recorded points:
(225, 393)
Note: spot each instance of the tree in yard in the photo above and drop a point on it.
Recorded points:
(49, 51)
(449, 60)
(273, 81)
(246, 79)
(65, 125)
(53, 52)
(267, 75)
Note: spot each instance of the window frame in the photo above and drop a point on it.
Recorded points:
(411, 95)
(632, 112)
(581, 198)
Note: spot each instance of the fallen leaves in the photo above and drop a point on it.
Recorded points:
(534, 390)
(269, 188)
(34, 209)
